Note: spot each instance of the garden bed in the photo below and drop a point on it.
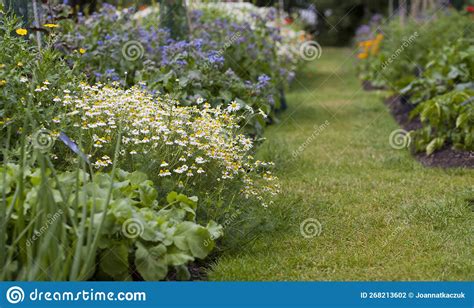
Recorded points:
(444, 158)
(435, 88)
(140, 136)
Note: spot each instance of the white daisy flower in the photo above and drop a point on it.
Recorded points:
(233, 107)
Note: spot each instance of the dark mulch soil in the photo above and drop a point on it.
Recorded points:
(445, 158)
(198, 271)
(400, 109)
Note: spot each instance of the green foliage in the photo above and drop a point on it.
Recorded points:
(51, 210)
(451, 67)
(410, 56)
(447, 119)
(61, 221)
(438, 81)
(45, 233)
(30, 80)
(155, 237)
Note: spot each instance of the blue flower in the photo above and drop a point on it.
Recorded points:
(73, 146)
(181, 62)
(215, 57)
(263, 81)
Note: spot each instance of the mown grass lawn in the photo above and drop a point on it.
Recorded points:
(383, 215)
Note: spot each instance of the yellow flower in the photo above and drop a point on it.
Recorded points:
(375, 50)
(21, 32)
(363, 55)
(19, 64)
(368, 43)
(376, 44)
(51, 25)
(3, 82)
(82, 51)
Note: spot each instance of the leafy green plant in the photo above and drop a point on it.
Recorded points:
(400, 60)
(30, 80)
(439, 82)
(451, 67)
(447, 119)
(156, 237)
(62, 221)
(57, 220)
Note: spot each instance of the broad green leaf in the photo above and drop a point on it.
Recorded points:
(171, 196)
(122, 208)
(148, 194)
(195, 237)
(434, 145)
(114, 262)
(462, 118)
(137, 177)
(182, 273)
(176, 257)
(150, 266)
(215, 229)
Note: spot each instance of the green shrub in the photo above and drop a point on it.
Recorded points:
(432, 66)
(56, 222)
(411, 58)
(447, 119)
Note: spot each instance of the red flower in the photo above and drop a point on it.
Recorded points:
(470, 8)
(288, 21)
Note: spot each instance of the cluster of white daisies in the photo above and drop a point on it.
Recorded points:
(193, 142)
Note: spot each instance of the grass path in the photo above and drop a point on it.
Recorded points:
(383, 215)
